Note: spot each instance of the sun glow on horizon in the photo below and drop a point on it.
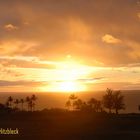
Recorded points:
(70, 86)
(66, 77)
(65, 86)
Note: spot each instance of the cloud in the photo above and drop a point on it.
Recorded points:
(110, 39)
(58, 28)
(91, 80)
(26, 62)
(10, 27)
(35, 34)
(84, 80)
(4, 83)
(116, 86)
(15, 47)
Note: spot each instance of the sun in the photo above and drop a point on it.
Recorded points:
(64, 86)
(68, 76)
(70, 86)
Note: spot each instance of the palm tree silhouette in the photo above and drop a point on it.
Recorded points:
(31, 105)
(16, 102)
(10, 101)
(22, 102)
(33, 99)
(72, 98)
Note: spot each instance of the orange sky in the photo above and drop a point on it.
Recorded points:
(69, 45)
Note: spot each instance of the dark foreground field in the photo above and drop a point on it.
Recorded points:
(55, 125)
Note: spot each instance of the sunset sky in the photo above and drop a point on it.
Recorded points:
(69, 45)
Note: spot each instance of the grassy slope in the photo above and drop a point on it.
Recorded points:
(71, 126)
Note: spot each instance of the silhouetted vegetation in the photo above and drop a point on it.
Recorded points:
(22, 101)
(89, 119)
(15, 105)
(118, 101)
(71, 101)
(112, 100)
(95, 105)
(108, 100)
(9, 101)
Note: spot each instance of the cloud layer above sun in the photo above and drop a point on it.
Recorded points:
(36, 35)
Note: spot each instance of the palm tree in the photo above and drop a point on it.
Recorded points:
(108, 100)
(10, 100)
(31, 105)
(72, 98)
(118, 101)
(16, 103)
(22, 102)
(33, 98)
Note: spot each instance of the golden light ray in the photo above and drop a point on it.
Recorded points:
(65, 86)
(65, 77)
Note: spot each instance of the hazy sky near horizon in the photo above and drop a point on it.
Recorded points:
(51, 43)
